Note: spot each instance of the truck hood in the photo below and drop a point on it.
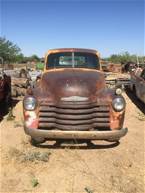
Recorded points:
(71, 84)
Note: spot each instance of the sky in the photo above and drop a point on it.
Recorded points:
(109, 26)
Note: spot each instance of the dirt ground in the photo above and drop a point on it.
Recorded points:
(103, 167)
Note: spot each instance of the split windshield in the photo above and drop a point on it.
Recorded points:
(73, 60)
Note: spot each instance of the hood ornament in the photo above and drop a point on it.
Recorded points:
(74, 99)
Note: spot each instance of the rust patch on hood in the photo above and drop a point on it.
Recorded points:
(72, 82)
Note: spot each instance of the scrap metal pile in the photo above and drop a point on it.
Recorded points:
(117, 79)
(21, 80)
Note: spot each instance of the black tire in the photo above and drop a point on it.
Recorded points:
(37, 141)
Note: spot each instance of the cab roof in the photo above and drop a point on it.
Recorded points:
(57, 50)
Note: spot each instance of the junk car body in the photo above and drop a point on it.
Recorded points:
(5, 88)
(138, 83)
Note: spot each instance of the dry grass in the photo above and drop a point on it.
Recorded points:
(29, 156)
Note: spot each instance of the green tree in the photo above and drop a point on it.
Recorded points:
(19, 58)
(34, 58)
(8, 50)
(115, 58)
(123, 58)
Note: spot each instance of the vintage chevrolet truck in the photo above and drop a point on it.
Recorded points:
(71, 100)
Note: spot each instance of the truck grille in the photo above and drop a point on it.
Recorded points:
(73, 116)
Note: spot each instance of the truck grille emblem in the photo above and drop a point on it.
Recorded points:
(74, 98)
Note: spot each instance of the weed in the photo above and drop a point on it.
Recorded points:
(88, 190)
(35, 156)
(29, 156)
(34, 182)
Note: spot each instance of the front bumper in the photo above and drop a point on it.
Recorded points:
(92, 135)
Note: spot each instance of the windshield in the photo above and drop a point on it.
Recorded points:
(73, 60)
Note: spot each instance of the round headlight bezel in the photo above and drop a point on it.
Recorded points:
(30, 103)
(118, 104)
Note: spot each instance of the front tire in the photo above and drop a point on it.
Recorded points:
(37, 141)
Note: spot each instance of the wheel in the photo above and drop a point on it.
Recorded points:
(37, 141)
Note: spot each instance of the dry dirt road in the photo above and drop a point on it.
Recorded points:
(102, 168)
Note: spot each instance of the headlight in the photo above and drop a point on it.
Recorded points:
(30, 103)
(118, 103)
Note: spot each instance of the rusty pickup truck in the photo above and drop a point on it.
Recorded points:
(71, 100)
(138, 83)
